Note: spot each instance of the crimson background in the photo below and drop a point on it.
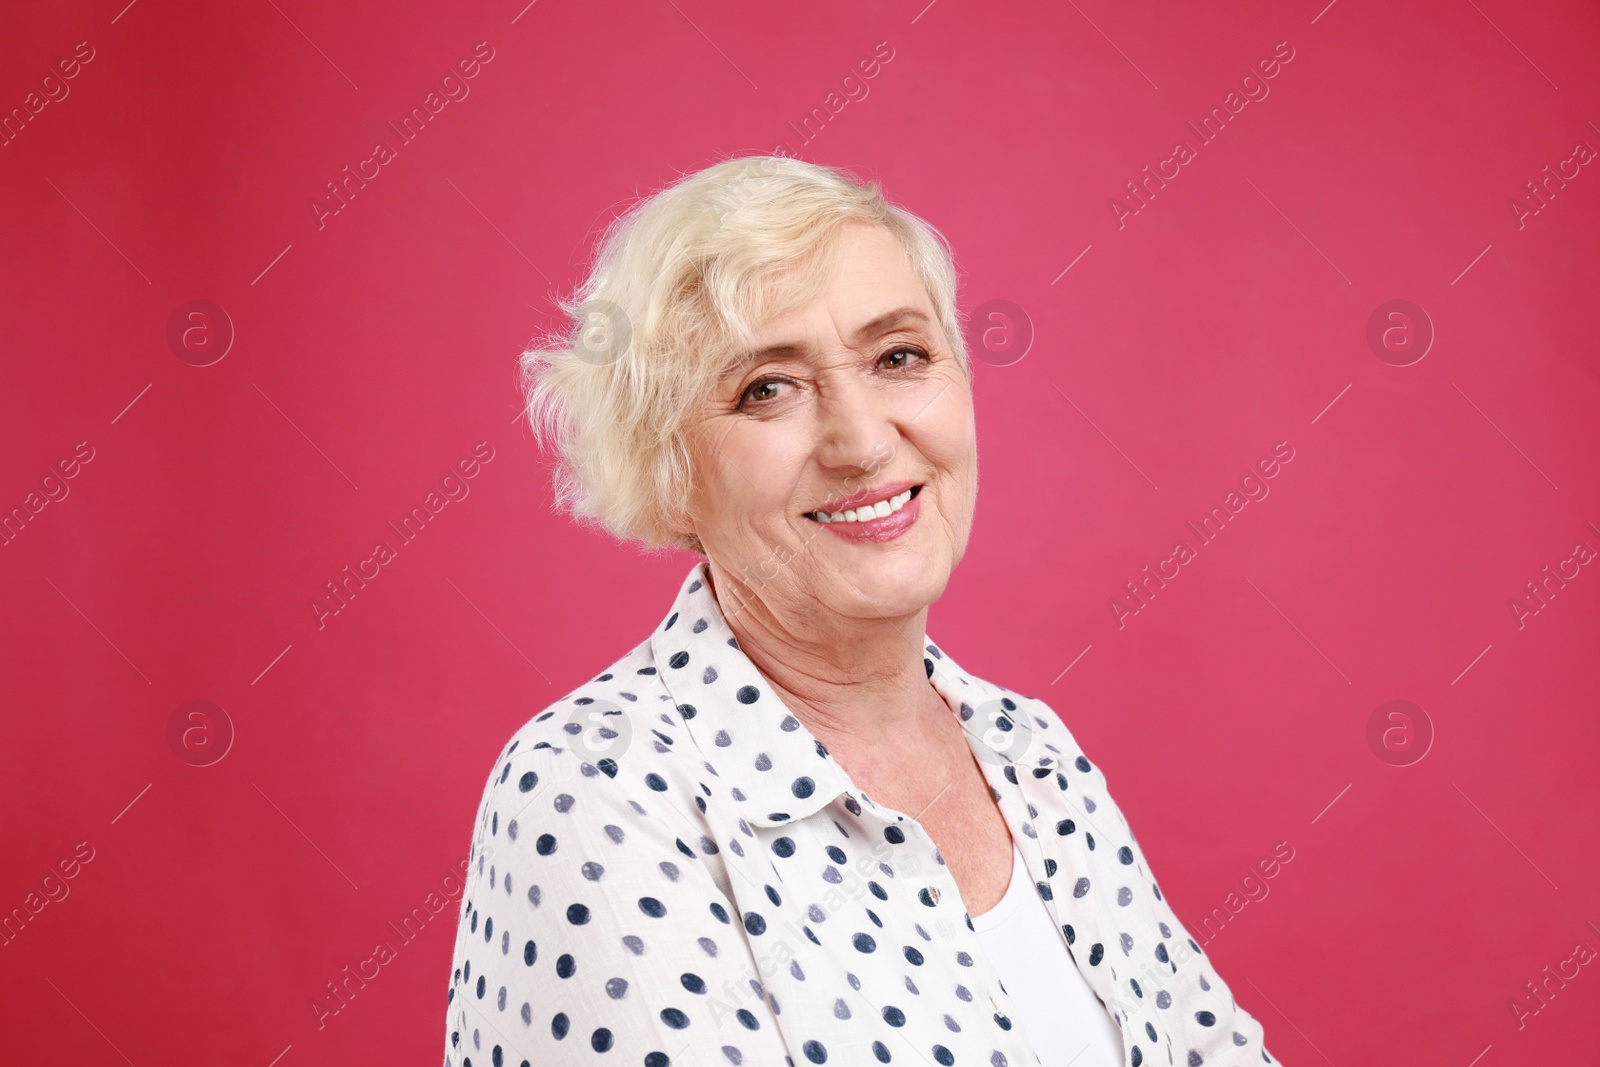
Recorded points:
(375, 350)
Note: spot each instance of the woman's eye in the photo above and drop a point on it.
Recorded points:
(908, 353)
(762, 390)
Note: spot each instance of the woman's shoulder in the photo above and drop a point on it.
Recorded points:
(1021, 726)
(1030, 731)
(1054, 738)
(622, 718)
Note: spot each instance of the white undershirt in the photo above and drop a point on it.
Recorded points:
(1061, 1015)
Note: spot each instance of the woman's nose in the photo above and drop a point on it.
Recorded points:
(853, 419)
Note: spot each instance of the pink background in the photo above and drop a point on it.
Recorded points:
(375, 349)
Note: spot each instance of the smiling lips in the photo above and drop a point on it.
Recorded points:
(881, 507)
(862, 500)
(883, 515)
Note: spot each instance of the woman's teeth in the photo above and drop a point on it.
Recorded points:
(867, 512)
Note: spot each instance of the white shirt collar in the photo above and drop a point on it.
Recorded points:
(778, 765)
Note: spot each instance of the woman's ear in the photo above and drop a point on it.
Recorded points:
(681, 523)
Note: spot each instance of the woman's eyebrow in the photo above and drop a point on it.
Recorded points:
(889, 320)
(781, 351)
(879, 324)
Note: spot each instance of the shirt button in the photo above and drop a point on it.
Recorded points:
(933, 892)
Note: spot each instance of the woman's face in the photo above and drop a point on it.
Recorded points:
(852, 397)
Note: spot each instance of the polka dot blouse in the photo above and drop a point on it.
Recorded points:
(669, 868)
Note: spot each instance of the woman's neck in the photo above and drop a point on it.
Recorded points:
(858, 684)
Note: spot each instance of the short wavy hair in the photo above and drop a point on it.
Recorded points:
(680, 285)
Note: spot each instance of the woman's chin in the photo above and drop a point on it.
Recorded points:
(895, 583)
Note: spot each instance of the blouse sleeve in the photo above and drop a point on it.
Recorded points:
(1201, 1017)
(590, 925)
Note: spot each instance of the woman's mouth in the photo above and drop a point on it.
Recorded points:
(875, 521)
(869, 511)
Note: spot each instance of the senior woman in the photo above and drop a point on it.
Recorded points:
(787, 828)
